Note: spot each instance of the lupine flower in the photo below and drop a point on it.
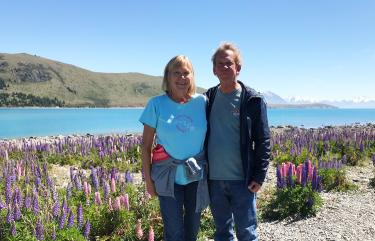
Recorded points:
(35, 203)
(280, 179)
(55, 209)
(126, 201)
(54, 194)
(39, 231)
(128, 177)
(62, 219)
(80, 216)
(117, 204)
(71, 219)
(77, 182)
(113, 185)
(373, 159)
(138, 229)
(28, 202)
(13, 230)
(94, 179)
(37, 182)
(53, 235)
(105, 190)
(69, 190)
(17, 212)
(110, 205)
(2, 205)
(8, 189)
(10, 216)
(151, 235)
(290, 175)
(85, 188)
(86, 232)
(314, 183)
(98, 200)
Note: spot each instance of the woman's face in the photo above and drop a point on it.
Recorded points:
(179, 80)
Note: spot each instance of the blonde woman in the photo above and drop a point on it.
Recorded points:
(176, 123)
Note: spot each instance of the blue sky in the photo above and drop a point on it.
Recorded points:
(318, 49)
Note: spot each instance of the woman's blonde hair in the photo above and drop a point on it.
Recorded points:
(176, 62)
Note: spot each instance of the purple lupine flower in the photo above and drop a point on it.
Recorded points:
(105, 190)
(2, 205)
(8, 189)
(54, 194)
(69, 190)
(94, 179)
(373, 159)
(304, 177)
(10, 216)
(290, 176)
(80, 216)
(39, 230)
(71, 219)
(62, 219)
(56, 209)
(129, 177)
(65, 207)
(16, 212)
(86, 231)
(35, 203)
(49, 182)
(28, 202)
(77, 182)
(280, 179)
(53, 235)
(314, 183)
(13, 230)
(113, 172)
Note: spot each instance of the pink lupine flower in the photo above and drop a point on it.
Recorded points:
(88, 189)
(98, 199)
(110, 203)
(138, 229)
(126, 197)
(151, 235)
(117, 204)
(299, 173)
(85, 188)
(113, 185)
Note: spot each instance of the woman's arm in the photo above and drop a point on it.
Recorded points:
(148, 140)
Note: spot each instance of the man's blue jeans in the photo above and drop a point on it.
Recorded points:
(181, 222)
(232, 202)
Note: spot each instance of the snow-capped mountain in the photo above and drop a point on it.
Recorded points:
(359, 102)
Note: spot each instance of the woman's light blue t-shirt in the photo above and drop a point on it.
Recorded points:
(180, 128)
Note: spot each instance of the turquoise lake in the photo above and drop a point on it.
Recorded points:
(27, 122)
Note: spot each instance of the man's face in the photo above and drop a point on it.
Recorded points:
(225, 67)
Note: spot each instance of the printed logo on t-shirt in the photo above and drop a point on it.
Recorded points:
(183, 123)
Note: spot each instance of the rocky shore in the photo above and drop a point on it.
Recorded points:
(344, 216)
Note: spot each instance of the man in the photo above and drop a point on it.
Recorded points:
(238, 148)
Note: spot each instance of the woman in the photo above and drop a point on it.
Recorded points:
(173, 170)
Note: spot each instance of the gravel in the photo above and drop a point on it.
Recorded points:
(344, 215)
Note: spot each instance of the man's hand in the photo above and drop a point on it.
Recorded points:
(254, 187)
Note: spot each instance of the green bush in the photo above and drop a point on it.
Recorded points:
(294, 202)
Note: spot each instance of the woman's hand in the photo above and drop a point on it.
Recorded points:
(150, 187)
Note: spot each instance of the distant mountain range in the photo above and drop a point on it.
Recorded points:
(277, 101)
(30, 80)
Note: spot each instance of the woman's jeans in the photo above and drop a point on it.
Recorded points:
(181, 222)
(232, 202)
